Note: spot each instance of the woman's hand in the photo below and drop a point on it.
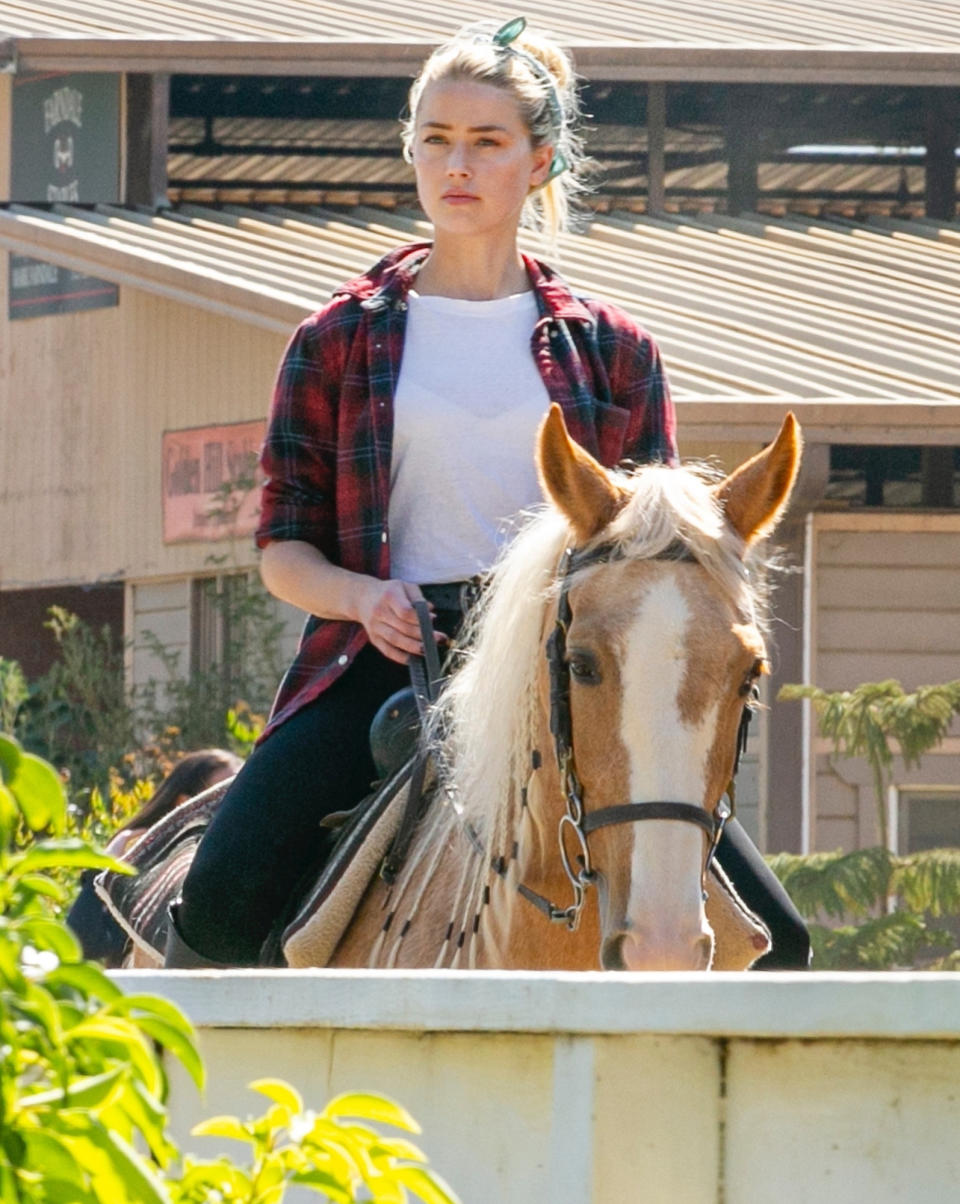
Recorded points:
(385, 609)
(300, 574)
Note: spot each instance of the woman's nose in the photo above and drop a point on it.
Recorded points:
(457, 162)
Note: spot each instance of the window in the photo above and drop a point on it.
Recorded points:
(928, 819)
(216, 623)
(894, 476)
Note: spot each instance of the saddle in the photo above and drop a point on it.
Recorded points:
(373, 836)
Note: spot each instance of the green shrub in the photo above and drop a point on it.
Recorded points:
(82, 1085)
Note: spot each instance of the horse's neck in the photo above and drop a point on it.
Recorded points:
(456, 906)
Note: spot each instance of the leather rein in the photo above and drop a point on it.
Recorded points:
(577, 822)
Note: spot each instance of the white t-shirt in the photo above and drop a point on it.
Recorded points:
(467, 406)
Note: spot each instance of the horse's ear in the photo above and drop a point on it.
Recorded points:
(755, 495)
(573, 480)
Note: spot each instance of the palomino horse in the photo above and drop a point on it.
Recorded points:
(588, 740)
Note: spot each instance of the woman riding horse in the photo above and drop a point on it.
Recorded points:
(399, 444)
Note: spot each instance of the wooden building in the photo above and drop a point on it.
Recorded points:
(140, 338)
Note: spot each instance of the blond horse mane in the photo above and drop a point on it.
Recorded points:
(487, 719)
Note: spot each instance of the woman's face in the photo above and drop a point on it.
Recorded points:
(472, 155)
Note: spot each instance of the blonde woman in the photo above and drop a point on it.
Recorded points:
(401, 439)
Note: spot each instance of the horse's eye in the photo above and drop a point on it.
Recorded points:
(583, 666)
(749, 688)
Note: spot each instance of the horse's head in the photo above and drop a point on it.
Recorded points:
(658, 651)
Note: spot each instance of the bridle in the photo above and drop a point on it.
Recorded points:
(576, 821)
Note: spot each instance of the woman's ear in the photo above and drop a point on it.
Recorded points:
(542, 159)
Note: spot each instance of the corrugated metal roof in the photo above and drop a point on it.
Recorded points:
(289, 35)
(832, 23)
(744, 309)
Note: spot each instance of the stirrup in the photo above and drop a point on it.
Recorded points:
(181, 956)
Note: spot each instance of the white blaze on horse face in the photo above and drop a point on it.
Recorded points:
(668, 759)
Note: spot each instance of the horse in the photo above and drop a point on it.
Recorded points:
(587, 742)
(586, 746)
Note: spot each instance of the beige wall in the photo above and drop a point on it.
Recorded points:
(84, 400)
(885, 603)
(6, 134)
(605, 1088)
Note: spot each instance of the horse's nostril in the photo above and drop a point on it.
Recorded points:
(611, 954)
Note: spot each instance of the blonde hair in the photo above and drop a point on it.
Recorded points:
(548, 101)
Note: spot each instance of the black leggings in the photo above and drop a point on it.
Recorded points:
(265, 838)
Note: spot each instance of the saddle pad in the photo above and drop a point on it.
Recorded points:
(740, 936)
(161, 858)
(312, 936)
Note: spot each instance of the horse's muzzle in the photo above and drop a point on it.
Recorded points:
(630, 951)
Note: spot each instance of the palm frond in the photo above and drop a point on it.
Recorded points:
(882, 943)
(835, 884)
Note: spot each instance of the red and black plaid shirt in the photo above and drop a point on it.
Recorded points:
(327, 451)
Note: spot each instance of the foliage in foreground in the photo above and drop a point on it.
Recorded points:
(82, 1085)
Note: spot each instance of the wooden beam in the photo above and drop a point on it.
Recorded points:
(656, 147)
(942, 122)
(315, 56)
(147, 135)
(784, 767)
(742, 134)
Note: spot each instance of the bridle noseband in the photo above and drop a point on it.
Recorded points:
(576, 821)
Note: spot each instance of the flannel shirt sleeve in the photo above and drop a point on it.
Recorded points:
(638, 384)
(299, 453)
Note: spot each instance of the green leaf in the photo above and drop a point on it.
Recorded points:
(180, 1044)
(68, 853)
(386, 1190)
(370, 1106)
(40, 884)
(120, 1174)
(281, 1093)
(39, 793)
(45, 933)
(10, 754)
(150, 1117)
(222, 1126)
(9, 813)
(426, 1185)
(213, 1177)
(115, 1037)
(90, 1091)
(85, 977)
(328, 1185)
(397, 1147)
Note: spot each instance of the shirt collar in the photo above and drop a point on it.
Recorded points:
(393, 276)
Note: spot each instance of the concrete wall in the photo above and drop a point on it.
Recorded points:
(610, 1089)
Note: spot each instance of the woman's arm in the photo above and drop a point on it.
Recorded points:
(298, 573)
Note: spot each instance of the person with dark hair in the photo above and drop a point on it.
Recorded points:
(101, 937)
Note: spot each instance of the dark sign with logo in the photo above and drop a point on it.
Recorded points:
(66, 148)
(66, 138)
